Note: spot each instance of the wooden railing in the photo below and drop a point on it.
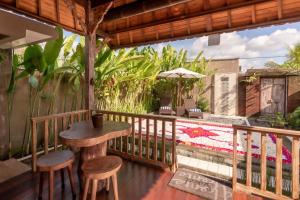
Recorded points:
(46, 128)
(262, 190)
(149, 142)
(151, 146)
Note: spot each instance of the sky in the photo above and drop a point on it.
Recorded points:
(272, 42)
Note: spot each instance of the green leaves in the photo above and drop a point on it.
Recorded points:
(52, 48)
(34, 59)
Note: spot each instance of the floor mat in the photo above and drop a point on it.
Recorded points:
(200, 185)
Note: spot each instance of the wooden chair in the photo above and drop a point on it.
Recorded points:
(54, 161)
(191, 109)
(166, 107)
(101, 169)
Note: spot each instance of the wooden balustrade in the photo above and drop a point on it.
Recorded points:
(148, 142)
(262, 190)
(52, 125)
(151, 146)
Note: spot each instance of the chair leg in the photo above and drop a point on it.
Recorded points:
(86, 188)
(94, 189)
(62, 175)
(71, 177)
(51, 184)
(115, 186)
(41, 185)
(107, 184)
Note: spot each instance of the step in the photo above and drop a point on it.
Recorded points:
(11, 168)
(207, 167)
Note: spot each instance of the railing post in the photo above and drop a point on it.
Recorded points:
(263, 162)
(155, 139)
(55, 134)
(174, 165)
(295, 168)
(249, 159)
(46, 136)
(140, 138)
(279, 165)
(147, 139)
(234, 160)
(133, 135)
(33, 145)
(163, 143)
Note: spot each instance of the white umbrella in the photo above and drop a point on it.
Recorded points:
(180, 73)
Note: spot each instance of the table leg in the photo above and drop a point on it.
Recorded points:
(94, 152)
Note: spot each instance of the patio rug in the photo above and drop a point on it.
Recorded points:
(216, 137)
(200, 185)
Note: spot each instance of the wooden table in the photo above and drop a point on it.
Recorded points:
(93, 141)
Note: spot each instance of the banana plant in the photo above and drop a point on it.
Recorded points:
(38, 66)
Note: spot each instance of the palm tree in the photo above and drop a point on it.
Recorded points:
(293, 62)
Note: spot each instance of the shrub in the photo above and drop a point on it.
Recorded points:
(203, 104)
(294, 118)
(278, 120)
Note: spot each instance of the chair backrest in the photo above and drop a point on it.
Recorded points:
(189, 103)
(165, 101)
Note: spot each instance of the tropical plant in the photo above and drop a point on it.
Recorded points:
(203, 104)
(278, 120)
(127, 80)
(293, 62)
(123, 76)
(38, 65)
(250, 79)
(294, 119)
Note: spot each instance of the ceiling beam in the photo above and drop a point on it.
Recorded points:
(140, 7)
(248, 26)
(191, 15)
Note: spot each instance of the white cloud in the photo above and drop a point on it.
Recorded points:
(233, 45)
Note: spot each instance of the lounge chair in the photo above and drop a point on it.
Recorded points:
(191, 109)
(165, 107)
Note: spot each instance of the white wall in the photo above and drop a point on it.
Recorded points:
(225, 94)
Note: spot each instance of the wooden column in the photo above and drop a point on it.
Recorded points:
(90, 46)
(90, 28)
(89, 70)
(92, 23)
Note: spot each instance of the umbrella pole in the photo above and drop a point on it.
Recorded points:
(179, 92)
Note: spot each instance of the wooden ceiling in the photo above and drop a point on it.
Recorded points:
(140, 22)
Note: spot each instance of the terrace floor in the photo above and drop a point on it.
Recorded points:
(136, 181)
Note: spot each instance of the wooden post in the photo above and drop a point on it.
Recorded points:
(33, 145)
(234, 160)
(89, 26)
(90, 46)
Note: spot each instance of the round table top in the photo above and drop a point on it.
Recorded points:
(83, 134)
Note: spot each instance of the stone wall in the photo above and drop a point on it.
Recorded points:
(66, 100)
(221, 67)
(5, 71)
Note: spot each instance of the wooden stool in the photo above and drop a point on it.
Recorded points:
(101, 169)
(54, 161)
